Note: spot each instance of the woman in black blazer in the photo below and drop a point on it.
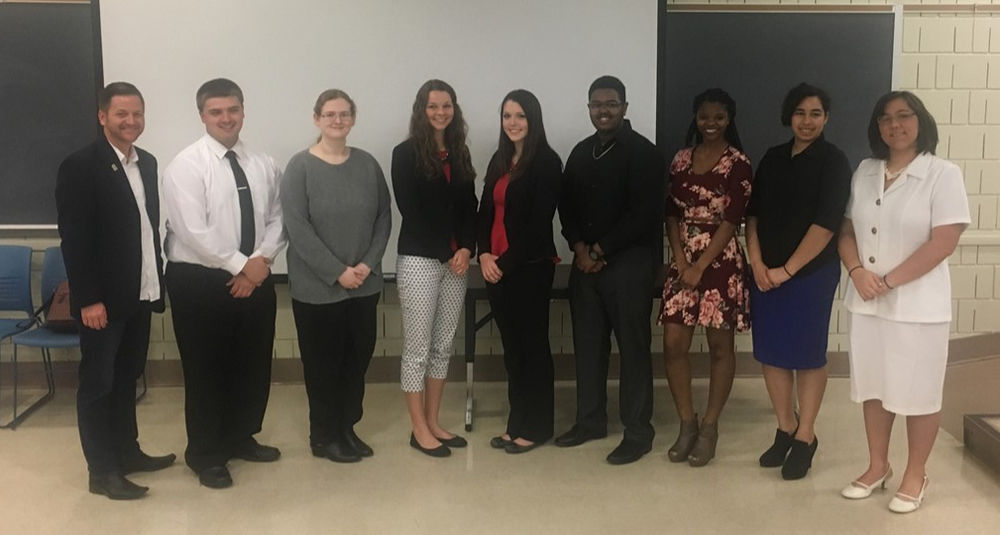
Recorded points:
(432, 178)
(517, 257)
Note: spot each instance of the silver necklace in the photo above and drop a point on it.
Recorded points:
(601, 155)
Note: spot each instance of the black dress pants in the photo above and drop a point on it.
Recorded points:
(112, 360)
(336, 341)
(520, 305)
(226, 346)
(617, 299)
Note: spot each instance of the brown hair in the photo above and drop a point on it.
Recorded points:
(422, 134)
(117, 89)
(219, 87)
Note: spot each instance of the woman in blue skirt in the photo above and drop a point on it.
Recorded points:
(798, 201)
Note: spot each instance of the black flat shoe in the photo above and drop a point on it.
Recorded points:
(355, 442)
(628, 452)
(514, 447)
(440, 451)
(116, 487)
(215, 477)
(577, 436)
(799, 459)
(453, 442)
(775, 455)
(255, 452)
(141, 462)
(499, 443)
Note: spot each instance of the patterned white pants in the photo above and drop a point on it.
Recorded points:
(430, 296)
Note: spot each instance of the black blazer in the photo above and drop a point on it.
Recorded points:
(434, 210)
(529, 207)
(99, 227)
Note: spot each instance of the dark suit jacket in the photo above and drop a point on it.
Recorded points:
(434, 210)
(99, 227)
(529, 207)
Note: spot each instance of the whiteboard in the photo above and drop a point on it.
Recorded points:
(283, 54)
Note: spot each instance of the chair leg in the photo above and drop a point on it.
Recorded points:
(50, 391)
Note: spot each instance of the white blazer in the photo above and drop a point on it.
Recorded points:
(889, 226)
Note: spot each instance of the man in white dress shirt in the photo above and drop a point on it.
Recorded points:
(223, 231)
(109, 218)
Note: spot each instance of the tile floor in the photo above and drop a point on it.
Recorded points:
(480, 490)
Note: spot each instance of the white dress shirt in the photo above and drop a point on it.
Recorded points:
(149, 280)
(890, 225)
(203, 207)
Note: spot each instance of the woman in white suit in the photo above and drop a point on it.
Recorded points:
(906, 212)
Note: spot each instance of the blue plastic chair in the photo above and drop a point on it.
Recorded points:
(15, 288)
(15, 291)
(53, 272)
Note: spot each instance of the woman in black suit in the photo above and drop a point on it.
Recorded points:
(517, 257)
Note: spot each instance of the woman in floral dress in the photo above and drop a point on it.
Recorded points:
(706, 279)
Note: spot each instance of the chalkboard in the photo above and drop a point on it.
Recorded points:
(48, 102)
(757, 57)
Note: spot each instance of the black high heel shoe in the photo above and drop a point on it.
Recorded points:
(440, 451)
(775, 455)
(799, 459)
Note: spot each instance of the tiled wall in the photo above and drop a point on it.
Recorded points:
(952, 60)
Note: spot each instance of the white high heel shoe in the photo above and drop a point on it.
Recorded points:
(857, 490)
(901, 503)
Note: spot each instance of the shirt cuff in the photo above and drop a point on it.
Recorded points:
(235, 263)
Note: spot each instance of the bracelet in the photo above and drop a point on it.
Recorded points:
(886, 282)
(859, 266)
(789, 273)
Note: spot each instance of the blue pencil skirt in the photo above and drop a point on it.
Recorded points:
(791, 323)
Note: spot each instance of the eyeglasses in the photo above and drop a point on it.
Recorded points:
(900, 117)
(342, 115)
(610, 105)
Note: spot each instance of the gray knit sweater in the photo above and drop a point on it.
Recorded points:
(336, 216)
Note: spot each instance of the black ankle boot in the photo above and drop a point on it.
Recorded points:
(775, 455)
(799, 459)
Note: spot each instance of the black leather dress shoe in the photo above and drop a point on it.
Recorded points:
(455, 441)
(255, 452)
(141, 462)
(628, 452)
(358, 445)
(577, 436)
(116, 487)
(215, 477)
(339, 451)
(440, 451)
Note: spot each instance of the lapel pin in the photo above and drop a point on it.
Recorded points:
(114, 167)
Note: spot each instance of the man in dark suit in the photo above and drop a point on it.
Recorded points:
(109, 218)
(611, 212)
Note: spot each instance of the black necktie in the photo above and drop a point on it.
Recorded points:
(247, 237)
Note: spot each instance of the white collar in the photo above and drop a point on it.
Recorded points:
(220, 150)
(132, 156)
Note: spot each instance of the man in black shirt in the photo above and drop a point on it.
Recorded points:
(611, 212)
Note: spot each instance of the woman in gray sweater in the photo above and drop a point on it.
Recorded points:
(336, 209)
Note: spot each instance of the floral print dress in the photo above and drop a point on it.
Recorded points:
(701, 203)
